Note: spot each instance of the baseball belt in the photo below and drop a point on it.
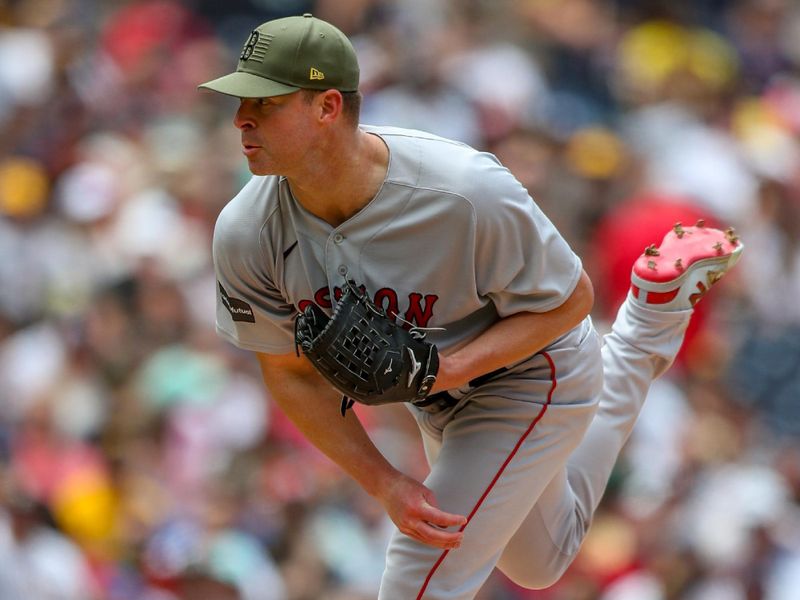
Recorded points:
(440, 401)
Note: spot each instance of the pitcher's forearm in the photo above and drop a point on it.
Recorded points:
(514, 338)
(315, 411)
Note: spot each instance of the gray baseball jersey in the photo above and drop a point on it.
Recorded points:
(452, 240)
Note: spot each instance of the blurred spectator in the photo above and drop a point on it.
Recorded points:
(620, 237)
(37, 560)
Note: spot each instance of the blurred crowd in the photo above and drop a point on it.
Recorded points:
(140, 456)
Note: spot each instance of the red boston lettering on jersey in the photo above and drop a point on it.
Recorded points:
(323, 297)
(419, 311)
(337, 292)
(416, 313)
(386, 298)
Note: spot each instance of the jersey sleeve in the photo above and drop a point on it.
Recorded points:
(252, 312)
(522, 262)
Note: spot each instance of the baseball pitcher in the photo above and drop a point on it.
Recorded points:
(379, 265)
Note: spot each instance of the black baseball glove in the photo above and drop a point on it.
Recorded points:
(365, 354)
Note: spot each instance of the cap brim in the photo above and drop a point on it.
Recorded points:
(246, 85)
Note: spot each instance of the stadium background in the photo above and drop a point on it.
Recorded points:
(138, 458)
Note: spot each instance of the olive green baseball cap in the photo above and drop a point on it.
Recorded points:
(285, 55)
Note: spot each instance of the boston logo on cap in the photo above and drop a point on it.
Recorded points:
(255, 47)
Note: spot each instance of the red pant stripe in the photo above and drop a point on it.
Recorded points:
(502, 468)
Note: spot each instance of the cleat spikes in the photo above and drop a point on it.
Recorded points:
(676, 274)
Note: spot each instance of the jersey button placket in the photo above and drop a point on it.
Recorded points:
(336, 256)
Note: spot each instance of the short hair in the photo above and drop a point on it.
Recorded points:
(351, 103)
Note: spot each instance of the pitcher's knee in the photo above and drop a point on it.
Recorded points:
(541, 576)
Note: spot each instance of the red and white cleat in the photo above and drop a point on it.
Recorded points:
(677, 274)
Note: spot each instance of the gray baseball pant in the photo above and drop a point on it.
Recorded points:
(527, 458)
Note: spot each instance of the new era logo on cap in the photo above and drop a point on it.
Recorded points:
(315, 74)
